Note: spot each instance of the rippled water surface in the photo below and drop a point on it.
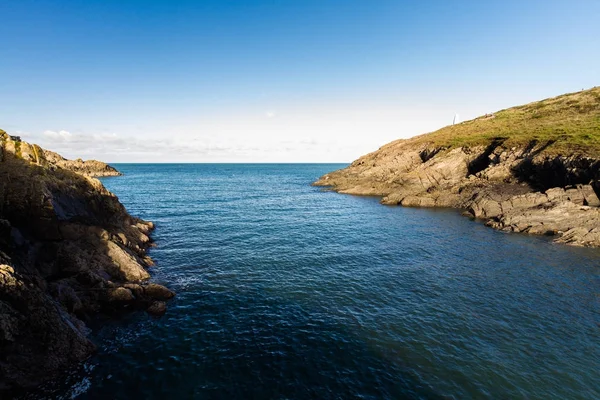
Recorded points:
(285, 291)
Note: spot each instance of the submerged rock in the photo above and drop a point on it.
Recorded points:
(157, 308)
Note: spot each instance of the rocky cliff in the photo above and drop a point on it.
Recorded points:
(90, 168)
(51, 160)
(533, 168)
(68, 250)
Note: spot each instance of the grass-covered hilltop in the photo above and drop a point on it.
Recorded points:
(567, 124)
(533, 168)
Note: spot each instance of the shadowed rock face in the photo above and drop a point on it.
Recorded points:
(520, 189)
(68, 250)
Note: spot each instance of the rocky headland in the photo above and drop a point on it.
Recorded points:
(90, 168)
(68, 251)
(533, 168)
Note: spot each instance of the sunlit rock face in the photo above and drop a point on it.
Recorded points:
(547, 187)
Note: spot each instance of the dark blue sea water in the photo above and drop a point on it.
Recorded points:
(285, 291)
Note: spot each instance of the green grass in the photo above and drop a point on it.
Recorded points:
(567, 124)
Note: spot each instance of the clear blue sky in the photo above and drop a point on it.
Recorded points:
(276, 80)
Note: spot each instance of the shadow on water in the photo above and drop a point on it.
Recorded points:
(54, 223)
(231, 346)
(253, 344)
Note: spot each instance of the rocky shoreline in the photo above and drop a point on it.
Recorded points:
(68, 251)
(514, 189)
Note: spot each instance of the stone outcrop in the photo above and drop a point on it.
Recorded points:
(518, 189)
(91, 168)
(34, 154)
(68, 250)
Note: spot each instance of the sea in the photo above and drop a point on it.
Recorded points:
(289, 291)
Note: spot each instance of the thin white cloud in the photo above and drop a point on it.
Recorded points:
(340, 132)
(63, 135)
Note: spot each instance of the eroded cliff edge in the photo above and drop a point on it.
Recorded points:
(68, 250)
(533, 168)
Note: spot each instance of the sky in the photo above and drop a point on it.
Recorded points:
(278, 80)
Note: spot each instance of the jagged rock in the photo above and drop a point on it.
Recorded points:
(157, 292)
(38, 338)
(120, 295)
(9, 323)
(125, 265)
(67, 296)
(589, 195)
(90, 168)
(415, 201)
(136, 289)
(68, 249)
(485, 208)
(575, 196)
